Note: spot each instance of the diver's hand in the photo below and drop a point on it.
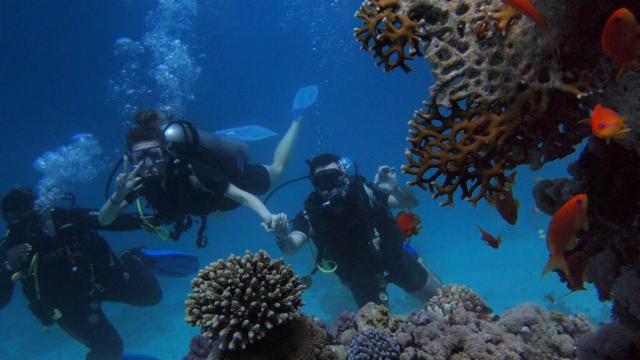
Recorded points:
(127, 182)
(386, 179)
(18, 255)
(281, 226)
(277, 224)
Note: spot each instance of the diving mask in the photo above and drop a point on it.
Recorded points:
(330, 179)
(149, 155)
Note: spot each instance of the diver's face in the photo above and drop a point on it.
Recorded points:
(329, 179)
(152, 157)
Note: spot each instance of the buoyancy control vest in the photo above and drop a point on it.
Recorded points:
(67, 260)
(359, 237)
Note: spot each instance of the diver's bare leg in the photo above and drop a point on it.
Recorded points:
(429, 289)
(283, 151)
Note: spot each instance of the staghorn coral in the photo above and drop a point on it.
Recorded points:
(240, 299)
(374, 344)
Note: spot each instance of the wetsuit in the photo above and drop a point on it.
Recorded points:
(363, 239)
(73, 270)
(197, 188)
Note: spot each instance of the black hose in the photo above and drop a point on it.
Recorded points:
(266, 199)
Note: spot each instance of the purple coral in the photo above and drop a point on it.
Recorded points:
(345, 320)
(199, 348)
(374, 344)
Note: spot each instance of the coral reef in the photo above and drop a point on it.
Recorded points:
(374, 344)
(199, 348)
(344, 328)
(456, 324)
(502, 96)
(608, 175)
(238, 300)
(298, 339)
(393, 37)
(454, 299)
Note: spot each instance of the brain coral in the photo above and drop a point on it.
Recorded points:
(239, 299)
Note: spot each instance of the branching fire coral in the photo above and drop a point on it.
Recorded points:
(502, 96)
(393, 37)
(472, 146)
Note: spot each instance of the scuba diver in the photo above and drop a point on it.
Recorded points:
(355, 234)
(183, 172)
(67, 270)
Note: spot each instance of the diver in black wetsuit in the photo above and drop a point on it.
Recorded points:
(67, 270)
(184, 172)
(355, 233)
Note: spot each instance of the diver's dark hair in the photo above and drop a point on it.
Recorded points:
(19, 200)
(147, 128)
(322, 160)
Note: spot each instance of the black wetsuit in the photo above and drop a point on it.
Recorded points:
(347, 237)
(180, 199)
(74, 271)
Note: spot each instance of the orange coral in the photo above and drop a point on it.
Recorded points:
(472, 146)
(393, 37)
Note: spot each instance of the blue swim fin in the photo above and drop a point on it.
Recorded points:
(131, 356)
(171, 263)
(305, 97)
(247, 133)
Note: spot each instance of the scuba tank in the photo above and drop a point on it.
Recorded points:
(185, 141)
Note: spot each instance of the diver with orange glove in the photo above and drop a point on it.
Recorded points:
(355, 233)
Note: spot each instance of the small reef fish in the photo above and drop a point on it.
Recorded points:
(563, 230)
(409, 223)
(620, 40)
(490, 239)
(606, 123)
(507, 206)
(526, 8)
(577, 263)
(550, 298)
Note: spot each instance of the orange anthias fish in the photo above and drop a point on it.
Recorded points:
(577, 263)
(606, 123)
(490, 239)
(508, 206)
(409, 223)
(563, 230)
(620, 40)
(526, 8)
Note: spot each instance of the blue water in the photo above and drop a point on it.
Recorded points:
(242, 62)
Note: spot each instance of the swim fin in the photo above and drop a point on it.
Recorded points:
(169, 263)
(132, 356)
(305, 97)
(247, 133)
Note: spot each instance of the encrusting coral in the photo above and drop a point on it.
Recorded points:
(506, 93)
(239, 300)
